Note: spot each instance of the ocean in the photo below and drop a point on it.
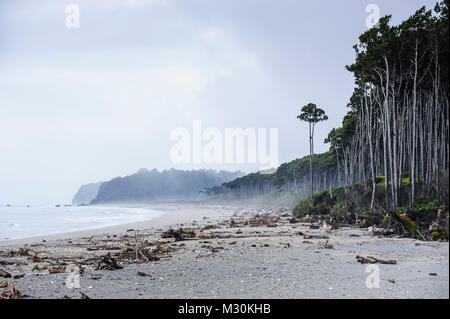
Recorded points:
(17, 222)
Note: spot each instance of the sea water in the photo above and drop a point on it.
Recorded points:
(22, 222)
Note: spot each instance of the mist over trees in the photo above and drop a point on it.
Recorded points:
(150, 186)
(396, 133)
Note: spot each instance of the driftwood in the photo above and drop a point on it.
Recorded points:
(179, 235)
(56, 269)
(14, 293)
(4, 274)
(143, 274)
(373, 260)
(108, 263)
(150, 255)
(306, 236)
(84, 296)
(325, 245)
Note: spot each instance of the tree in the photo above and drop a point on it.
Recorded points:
(313, 115)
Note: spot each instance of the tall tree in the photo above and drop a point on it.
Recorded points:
(313, 115)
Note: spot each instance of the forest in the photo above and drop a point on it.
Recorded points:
(394, 140)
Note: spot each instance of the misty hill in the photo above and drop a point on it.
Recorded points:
(86, 194)
(148, 186)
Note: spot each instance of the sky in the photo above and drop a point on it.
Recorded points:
(86, 104)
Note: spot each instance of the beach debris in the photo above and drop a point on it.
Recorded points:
(66, 297)
(108, 263)
(143, 274)
(6, 263)
(35, 258)
(325, 245)
(292, 221)
(39, 268)
(203, 256)
(140, 253)
(179, 235)
(150, 255)
(392, 281)
(268, 221)
(4, 274)
(14, 293)
(104, 247)
(305, 219)
(433, 274)
(21, 252)
(83, 295)
(206, 227)
(326, 227)
(373, 260)
(306, 236)
(213, 249)
(18, 276)
(163, 249)
(56, 269)
(4, 284)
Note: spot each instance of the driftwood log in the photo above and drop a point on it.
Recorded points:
(373, 260)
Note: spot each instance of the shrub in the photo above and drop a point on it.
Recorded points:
(303, 208)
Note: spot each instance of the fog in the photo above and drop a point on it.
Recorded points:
(81, 105)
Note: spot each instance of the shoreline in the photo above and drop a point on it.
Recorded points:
(172, 215)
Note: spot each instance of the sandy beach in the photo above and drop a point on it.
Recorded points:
(224, 252)
(175, 214)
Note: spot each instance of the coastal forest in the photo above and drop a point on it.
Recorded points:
(389, 160)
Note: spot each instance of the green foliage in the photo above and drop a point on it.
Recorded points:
(424, 205)
(427, 219)
(340, 208)
(400, 210)
(312, 114)
(303, 208)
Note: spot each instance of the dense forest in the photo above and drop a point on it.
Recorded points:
(395, 137)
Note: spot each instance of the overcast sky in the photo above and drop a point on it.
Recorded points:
(87, 104)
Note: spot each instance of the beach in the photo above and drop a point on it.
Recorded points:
(225, 252)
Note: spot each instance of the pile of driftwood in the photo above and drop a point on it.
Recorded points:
(179, 235)
(264, 221)
(109, 263)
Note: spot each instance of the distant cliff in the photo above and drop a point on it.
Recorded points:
(86, 194)
(148, 186)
